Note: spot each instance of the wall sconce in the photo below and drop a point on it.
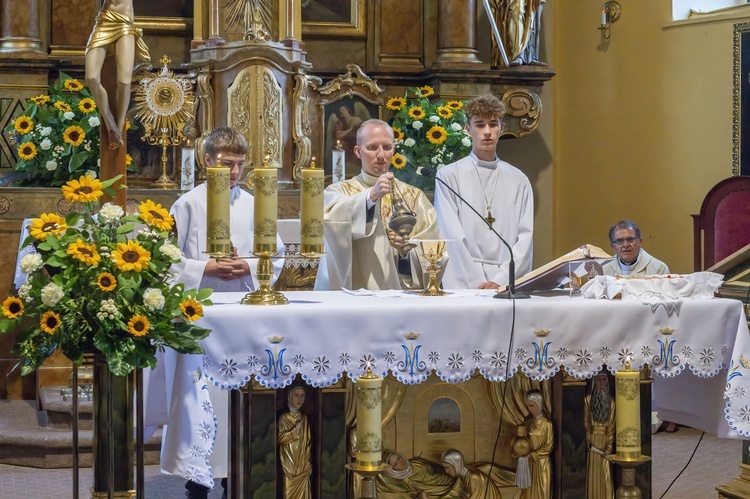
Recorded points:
(611, 12)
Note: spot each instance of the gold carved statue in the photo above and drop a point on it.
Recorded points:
(541, 437)
(416, 477)
(114, 30)
(519, 23)
(599, 416)
(294, 439)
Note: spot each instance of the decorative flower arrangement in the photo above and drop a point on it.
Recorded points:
(57, 136)
(429, 134)
(102, 283)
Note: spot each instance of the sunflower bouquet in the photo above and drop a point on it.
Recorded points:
(57, 136)
(429, 134)
(101, 282)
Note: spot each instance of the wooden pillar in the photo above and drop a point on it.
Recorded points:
(19, 31)
(457, 34)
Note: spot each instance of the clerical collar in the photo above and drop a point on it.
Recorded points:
(629, 267)
(368, 179)
(484, 164)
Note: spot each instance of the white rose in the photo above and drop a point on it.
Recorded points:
(94, 121)
(46, 144)
(456, 127)
(466, 142)
(434, 118)
(110, 213)
(51, 165)
(45, 131)
(171, 251)
(416, 125)
(69, 115)
(153, 299)
(409, 142)
(91, 172)
(51, 294)
(31, 263)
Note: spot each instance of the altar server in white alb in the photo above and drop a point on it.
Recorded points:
(500, 192)
(361, 250)
(186, 446)
(630, 258)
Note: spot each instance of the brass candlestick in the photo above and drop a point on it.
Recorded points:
(628, 489)
(433, 252)
(264, 295)
(164, 140)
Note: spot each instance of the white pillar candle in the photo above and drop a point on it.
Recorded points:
(187, 171)
(369, 417)
(338, 172)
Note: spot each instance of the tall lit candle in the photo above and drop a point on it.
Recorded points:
(266, 207)
(604, 17)
(217, 209)
(369, 417)
(628, 413)
(339, 163)
(311, 213)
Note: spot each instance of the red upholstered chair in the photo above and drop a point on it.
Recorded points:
(724, 221)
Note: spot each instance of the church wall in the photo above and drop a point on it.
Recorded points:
(642, 124)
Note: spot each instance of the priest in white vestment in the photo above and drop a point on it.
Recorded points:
(630, 258)
(187, 441)
(361, 251)
(502, 195)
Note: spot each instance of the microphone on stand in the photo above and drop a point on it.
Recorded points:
(511, 293)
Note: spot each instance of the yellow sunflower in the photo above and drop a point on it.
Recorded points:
(12, 307)
(444, 112)
(437, 134)
(398, 161)
(155, 215)
(398, 134)
(128, 125)
(40, 99)
(138, 325)
(62, 106)
(84, 252)
(74, 135)
(50, 322)
(416, 113)
(106, 281)
(131, 256)
(87, 105)
(83, 190)
(192, 309)
(73, 85)
(455, 104)
(24, 124)
(27, 151)
(128, 160)
(395, 103)
(426, 91)
(47, 224)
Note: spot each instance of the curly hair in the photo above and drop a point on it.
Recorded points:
(225, 140)
(485, 106)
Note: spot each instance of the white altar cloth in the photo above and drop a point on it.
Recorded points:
(322, 335)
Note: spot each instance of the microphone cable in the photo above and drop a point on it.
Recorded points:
(686, 465)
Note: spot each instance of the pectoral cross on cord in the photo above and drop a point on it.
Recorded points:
(489, 219)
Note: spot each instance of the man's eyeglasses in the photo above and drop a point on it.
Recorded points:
(629, 240)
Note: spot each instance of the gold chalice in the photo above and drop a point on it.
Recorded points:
(433, 251)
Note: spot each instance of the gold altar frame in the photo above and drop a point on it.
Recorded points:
(741, 100)
(355, 28)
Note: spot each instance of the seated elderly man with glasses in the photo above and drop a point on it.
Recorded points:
(631, 259)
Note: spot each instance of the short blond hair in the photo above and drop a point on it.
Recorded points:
(485, 106)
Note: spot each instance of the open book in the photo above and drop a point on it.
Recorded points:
(556, 272)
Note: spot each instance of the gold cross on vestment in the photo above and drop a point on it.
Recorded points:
(489, 219)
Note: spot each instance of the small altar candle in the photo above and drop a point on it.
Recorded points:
(266, 208)
(369, 417)
(311, 213)
(217, 209)
(339, 163)
(628, 413)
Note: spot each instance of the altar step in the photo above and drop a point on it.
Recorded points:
(28, 438)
